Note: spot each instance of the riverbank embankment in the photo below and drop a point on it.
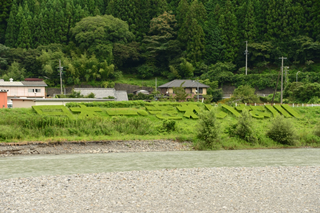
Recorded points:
(242, 189)
(95, 147)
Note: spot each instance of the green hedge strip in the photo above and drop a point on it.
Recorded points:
(282, 111)
(241, 107)
(291, 111)
(53, 111)
(272, 110)
(232, 110)
(86, 112)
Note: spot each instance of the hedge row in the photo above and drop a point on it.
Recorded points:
(282, 111)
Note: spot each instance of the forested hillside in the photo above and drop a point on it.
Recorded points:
(101, 40)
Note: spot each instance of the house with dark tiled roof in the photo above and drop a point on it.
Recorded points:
(29, 88)
(190, 87)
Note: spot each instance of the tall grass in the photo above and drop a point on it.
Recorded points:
(26, 124)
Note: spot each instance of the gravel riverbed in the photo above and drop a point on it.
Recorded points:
(240, 189)
(39, 148)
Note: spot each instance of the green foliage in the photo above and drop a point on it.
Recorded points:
(201, 37)
(86, 112)
(53, 111)
(180, 93)
(91, 95)
(208, 129)
(291, 111)
(231, 110)
(282, 111)
(123, 111)
(189, 110)
(244, 128)
(245, 94)
(241, 107)
(169, 126)
(97, 34)
(282, 131)
(272, 110)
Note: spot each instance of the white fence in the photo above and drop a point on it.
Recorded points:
(292, 105)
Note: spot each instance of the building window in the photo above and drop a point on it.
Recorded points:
(34, 90)
(200, 90)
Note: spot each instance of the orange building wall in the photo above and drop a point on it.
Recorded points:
(3, 99)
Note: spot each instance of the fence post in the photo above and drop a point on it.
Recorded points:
(236, 104)
(245, 104)
(292, 105)
(255, 104)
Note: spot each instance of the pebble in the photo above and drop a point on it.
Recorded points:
(235, 189)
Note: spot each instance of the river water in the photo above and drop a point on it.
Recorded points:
(32, 166)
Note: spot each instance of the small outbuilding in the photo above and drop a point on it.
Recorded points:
(3, 98)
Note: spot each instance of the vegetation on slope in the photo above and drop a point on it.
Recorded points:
(108, 122)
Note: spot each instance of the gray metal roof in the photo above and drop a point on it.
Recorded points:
(187, 83)
(23, 84)
(34, 83)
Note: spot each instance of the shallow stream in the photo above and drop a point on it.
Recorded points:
(28, 166)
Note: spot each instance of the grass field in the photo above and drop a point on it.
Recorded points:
(18, 125)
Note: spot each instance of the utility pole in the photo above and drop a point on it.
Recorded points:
(282, 58)
(156, 85)
(60, 70)
(287, 80)
(246, 53)
(198, 91)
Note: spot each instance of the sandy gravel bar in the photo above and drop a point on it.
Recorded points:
(36, 148)
(246, 189)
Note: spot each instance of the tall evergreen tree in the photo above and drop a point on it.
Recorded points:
(11, 32)
(229, 33)
(260, 18)
(196, 42)
(100, 4)
(316, 20)
(196, 11)
(212, 32)
(5, 6)
(24, 37)
(182, 11)
(91, 6)
(250, 30)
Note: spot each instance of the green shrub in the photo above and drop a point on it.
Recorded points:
(282, 131)
(244, 128)
(208, 129)
(169, 126)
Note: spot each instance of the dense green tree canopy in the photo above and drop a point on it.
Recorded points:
(98, 40)
(96, 35)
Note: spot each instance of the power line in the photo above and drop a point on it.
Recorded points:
(60, 70)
